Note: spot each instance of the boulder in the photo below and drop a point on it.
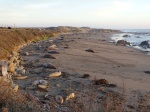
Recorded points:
(3, 68)
(122, 43)
(126, 36)
(145, 44)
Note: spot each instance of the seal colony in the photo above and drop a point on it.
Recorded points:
(76, 71)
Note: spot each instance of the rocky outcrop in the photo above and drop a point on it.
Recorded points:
(145, 44)
(122, 43)
(126, 36)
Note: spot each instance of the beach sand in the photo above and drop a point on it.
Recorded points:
(117, 64)
(120, 65)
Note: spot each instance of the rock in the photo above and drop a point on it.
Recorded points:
(20, 71)
(20, 77)
(101, 81)
(11, 67)
(85, 76)
(90, 50)
(26, 54)
(35, 83)
(59, 99)
(40, 82)
(3, 68)
(43, 82)
(70, 96)
(53, 52)
(122, 43)
(55, 74)
(145, 44)
(126, 36)
(52, 47)
(49, 56)
(42, 87)
(47, 65)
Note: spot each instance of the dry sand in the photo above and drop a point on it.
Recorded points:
(117, 64)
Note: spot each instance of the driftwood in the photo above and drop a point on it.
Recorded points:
(3, 67)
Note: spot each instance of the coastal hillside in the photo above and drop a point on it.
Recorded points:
(12, 39)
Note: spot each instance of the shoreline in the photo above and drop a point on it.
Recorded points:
(134, 38)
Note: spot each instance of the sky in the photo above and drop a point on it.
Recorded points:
(114, 14)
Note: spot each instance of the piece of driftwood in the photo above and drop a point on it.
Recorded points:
(3, 67)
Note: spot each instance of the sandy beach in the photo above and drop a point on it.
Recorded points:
(117, 64)
(123, 66)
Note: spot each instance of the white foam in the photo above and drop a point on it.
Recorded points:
(134, 38)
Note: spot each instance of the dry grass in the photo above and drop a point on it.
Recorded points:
(16, 101)
(11, 39)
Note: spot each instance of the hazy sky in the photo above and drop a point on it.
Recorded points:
(93, 13)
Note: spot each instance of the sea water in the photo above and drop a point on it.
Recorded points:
(135, 37)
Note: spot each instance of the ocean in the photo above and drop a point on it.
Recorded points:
(138, 38)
